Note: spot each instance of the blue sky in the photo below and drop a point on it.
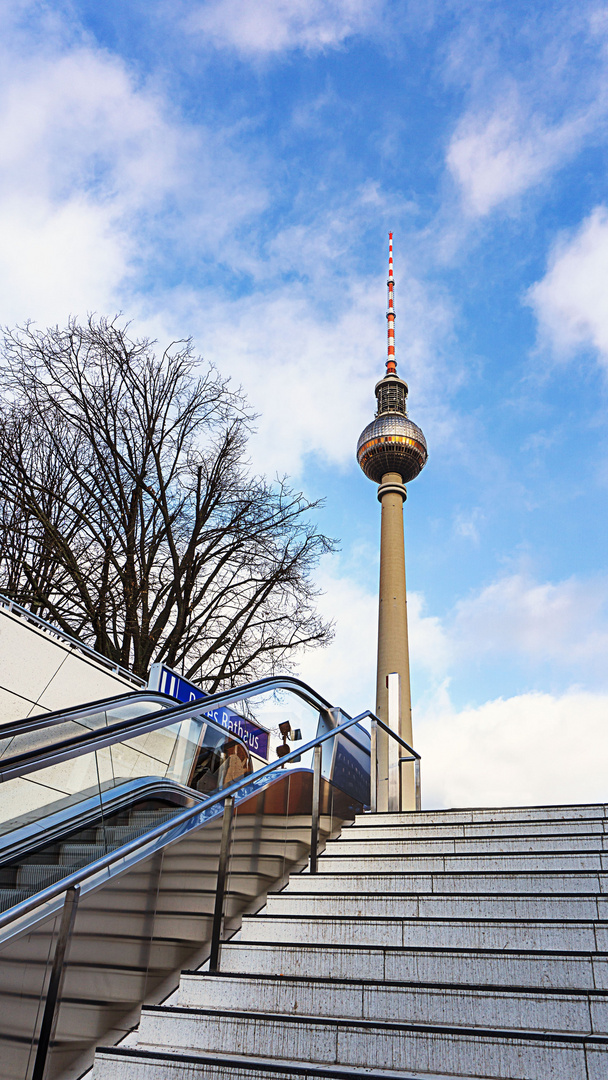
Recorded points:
(230, 170)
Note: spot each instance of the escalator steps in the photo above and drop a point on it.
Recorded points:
(116, 835)
(145, 819)
(57, 861)
(34, 876)
(80, 854)
(10, 897)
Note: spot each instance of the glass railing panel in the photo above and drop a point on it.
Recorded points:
(191, 752)
(25, 966)
(271, 708)
(346, 758)
(77, 724)
(140, 923)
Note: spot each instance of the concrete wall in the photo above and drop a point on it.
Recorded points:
(41, 670)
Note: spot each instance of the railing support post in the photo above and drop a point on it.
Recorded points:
(417, 784)
(316, 809)
(53, 995)
(218, 911)
(373, 768)
(393, 682)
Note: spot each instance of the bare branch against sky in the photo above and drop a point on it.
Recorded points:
(131, 517)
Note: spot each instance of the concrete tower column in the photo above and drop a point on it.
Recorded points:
(392, 452)
(393, 648)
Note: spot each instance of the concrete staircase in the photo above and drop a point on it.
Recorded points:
(461, 943)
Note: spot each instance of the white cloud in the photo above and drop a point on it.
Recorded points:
(565, 623)
(466, 525)
(561, 626)
(570, 301)
(345, 672)
(495, 156)
(308, 351)
(96, 175)
(258, 27)
(100, 179)
(527, 749)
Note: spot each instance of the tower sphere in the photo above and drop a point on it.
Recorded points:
(392, 443)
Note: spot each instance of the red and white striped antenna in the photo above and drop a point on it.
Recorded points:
(391, 363)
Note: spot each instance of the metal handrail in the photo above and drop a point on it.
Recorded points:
(63, 716)
(66, 748)
(81, 875)
(71, 886)
(57, 632)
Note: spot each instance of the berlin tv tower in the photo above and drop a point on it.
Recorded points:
(392, 451)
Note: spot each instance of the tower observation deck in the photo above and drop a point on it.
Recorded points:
(392, 451)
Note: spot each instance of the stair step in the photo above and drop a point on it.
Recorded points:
(466, 906)
(36, 876)
(456, 1006)
(558, 936)
(458, 863)
(573, 812)
(584, 827)
(81, 854)
(544, 883)
(472, 967)
(353, 846)
(495, 1054)
(126, 1063)
(467, 943)
(10, 897)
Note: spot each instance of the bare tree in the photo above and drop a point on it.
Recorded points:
(130, 516)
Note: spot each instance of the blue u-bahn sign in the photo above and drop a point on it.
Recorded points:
(169, 682)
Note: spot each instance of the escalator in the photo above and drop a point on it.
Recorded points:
(118, 807)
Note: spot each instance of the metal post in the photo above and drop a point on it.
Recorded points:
(316, 808)
(53, 996)
(373, 768)
(218, 912)
(417, 784)
(394, 718)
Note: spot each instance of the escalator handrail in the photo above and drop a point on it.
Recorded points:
(63, 716)
(42, 757)
(106, 861)
(21, 842)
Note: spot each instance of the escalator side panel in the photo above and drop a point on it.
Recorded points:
(138, 927)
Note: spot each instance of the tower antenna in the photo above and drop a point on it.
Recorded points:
(391, 363)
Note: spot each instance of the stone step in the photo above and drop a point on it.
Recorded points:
(351, 845)
(543, 883)
(495, 1054)
(581, 1013)
(465, 906)
(519, 862)
(558, 936)
(360, 830)
(468, 943)
(512, 968)
(498, 813)
(126, 1063)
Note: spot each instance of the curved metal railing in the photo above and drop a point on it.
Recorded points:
(64, 749)
(175, 825)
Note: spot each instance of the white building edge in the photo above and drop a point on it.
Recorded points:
(42, 668)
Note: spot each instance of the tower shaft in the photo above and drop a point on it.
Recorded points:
(392, 451)
(393, 646)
